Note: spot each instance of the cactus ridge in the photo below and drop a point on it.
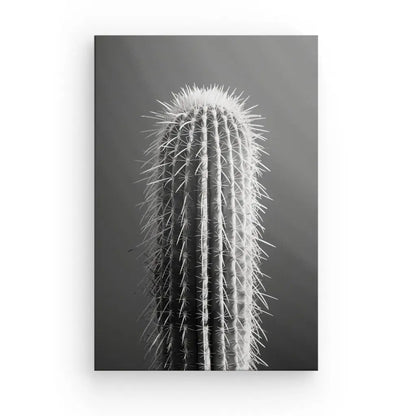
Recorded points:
(203, 233)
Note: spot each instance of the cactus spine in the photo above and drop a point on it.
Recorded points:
(203, 232)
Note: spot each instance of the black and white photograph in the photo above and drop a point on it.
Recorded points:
(206, 203)
(208, 208)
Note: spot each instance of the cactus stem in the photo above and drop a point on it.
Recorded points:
(203, 233)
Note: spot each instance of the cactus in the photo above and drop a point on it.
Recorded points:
(203, 230)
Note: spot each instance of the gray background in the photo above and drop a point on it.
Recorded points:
(280, 74)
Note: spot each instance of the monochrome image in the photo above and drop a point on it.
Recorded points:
(206, 203)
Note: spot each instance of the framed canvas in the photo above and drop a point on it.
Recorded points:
(206, 203)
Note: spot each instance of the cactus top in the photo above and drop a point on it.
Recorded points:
(190, 98)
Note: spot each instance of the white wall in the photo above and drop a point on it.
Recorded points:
(367, 211)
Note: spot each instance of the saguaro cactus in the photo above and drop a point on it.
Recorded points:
(203, 231)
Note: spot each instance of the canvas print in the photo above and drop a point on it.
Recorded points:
(206, 203)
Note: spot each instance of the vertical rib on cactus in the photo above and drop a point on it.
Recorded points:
(203, 231)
